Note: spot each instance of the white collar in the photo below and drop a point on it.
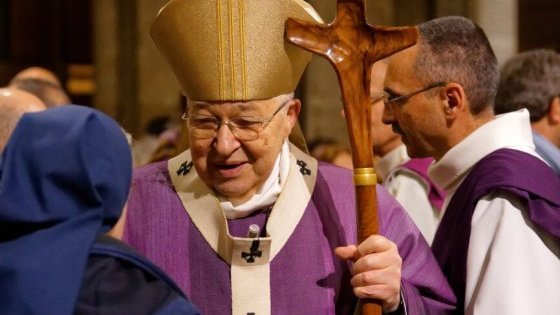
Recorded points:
(267, 194)
(391, 160)
(510, 130)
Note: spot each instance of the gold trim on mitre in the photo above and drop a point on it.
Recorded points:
(232, 50)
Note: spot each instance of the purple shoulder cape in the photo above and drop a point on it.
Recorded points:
(436, 195)
(504, 170)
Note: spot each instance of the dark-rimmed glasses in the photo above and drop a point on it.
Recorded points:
(390, 101)
(243, 128)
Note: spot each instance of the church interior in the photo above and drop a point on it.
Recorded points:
(103, 53)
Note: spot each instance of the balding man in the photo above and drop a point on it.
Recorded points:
(42, 83)
(13, 104)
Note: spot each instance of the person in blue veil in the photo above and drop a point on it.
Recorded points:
(65, 175)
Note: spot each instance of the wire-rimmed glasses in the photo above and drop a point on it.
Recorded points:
(390, 101)
(244, 128)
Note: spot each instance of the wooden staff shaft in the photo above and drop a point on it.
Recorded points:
(357, 110)
(352, 46)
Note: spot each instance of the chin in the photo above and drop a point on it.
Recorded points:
(230, 191)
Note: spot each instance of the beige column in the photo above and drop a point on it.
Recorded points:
(158, 90)
(105, 56)
(499, 19)
(116, 61)
(320, 94)
(133, 82)
(408, 12)
(456, 7)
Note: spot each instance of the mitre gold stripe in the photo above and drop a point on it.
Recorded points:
(231, 50)
(242, 40)
(220, 48)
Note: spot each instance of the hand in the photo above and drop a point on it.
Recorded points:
(376, 270)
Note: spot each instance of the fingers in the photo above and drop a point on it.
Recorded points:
(376, 270)
(384, 293)
(380, 285)
(346, 252)
(376, 253)
(378, 278)
(390, 299)
(373, 244)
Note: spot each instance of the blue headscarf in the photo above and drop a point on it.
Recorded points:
(64, 178)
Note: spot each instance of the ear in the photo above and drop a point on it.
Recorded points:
(290, 121)
(454, 100)
(294, 108)
(554, 111)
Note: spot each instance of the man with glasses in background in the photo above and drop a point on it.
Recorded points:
(406, 179)
(498, 240)
(244, 220)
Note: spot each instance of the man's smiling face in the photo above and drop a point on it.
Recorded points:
(237, 169)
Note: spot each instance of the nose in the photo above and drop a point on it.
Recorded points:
(225, 143)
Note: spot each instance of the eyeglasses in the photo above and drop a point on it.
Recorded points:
(376, 98)
(243, 128)
(390, 101)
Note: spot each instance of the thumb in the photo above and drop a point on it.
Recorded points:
(345, 252)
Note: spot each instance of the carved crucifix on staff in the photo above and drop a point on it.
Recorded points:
(352, 46)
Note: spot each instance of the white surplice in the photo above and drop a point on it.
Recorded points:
(410, 190)
(512, 267)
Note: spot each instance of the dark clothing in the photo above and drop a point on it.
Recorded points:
(65, 175)
(118, 281)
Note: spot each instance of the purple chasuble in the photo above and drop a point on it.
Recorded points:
(305, 276)
(504, 170)
(420, 167)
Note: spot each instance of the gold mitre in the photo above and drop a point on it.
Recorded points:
(232, 50)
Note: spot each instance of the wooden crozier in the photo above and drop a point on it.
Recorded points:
(352, 46)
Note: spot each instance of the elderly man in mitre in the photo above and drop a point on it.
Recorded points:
(244, 220)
